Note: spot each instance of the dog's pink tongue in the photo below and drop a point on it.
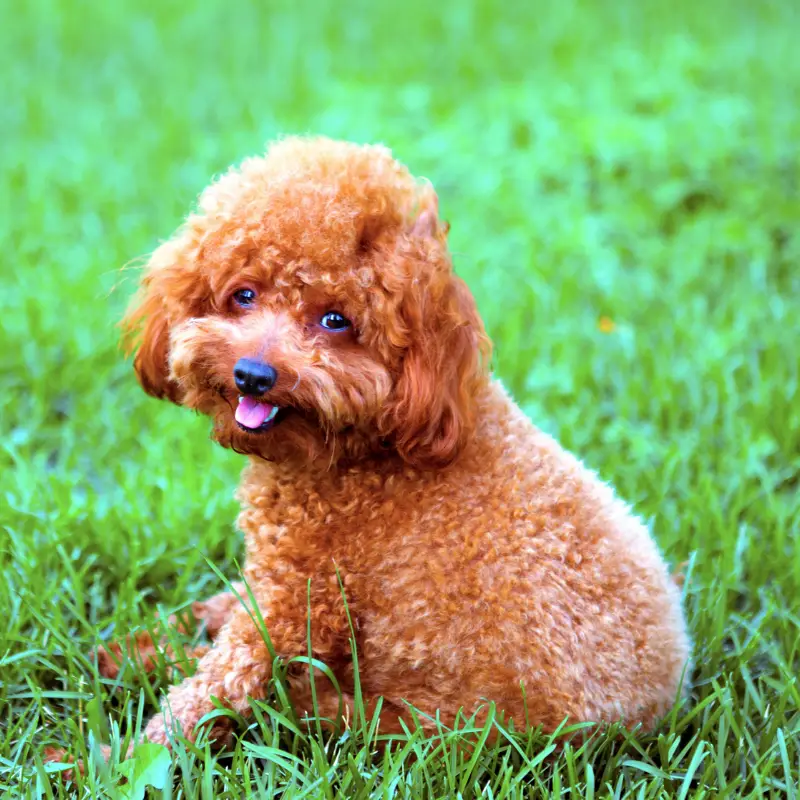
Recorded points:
(251, 413)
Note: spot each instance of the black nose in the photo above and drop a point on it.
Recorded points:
(254, 377)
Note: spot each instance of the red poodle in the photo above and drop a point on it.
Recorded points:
(310, 309)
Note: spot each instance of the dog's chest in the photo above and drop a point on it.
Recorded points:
(411, 549)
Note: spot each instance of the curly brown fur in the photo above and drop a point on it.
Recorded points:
(476, 554)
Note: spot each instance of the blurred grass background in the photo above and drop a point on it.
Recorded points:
(622, 183)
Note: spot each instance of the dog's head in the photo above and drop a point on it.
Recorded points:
(310, 308)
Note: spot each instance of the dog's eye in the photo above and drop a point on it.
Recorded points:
(245, 298)
(334, 321)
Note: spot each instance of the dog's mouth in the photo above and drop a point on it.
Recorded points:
(256, 416)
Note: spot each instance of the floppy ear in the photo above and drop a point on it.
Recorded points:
(169, 292)
(431, 413)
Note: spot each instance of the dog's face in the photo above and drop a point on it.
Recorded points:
(311, 310)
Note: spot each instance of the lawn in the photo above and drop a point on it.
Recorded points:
(623, 183)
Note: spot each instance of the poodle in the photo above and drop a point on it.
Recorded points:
(393, 490)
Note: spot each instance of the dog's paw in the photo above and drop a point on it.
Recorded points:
(146, 654)
(140, 649)
(57, 755)
(217, 610)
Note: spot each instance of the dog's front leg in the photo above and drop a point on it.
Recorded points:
(238, 666)
(147, 647)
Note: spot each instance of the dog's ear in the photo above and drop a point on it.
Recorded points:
(169, 291)
(432, 410)
(427, 226)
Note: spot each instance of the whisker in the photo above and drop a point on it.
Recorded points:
(333, 453)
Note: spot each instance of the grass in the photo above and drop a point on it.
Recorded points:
(623, 183)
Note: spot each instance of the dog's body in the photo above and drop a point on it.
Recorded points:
(516, 566)
(479, 560)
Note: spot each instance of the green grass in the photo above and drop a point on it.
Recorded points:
(634, 161)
